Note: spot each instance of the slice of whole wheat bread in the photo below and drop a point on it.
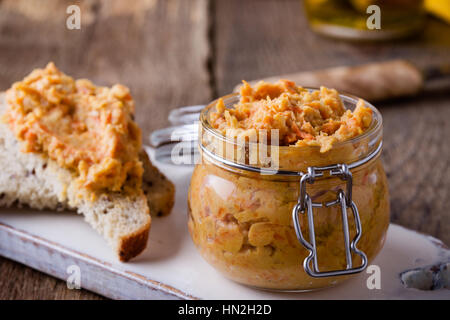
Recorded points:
(38, 182)
(160, 192)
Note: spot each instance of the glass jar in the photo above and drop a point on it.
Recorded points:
(283, 226)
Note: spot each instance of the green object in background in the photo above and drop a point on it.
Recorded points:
(348, 18)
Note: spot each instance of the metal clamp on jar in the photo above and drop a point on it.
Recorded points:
(344, 201)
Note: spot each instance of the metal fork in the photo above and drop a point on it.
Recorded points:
(182, 135)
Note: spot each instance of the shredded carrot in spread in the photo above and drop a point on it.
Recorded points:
(302, 118)
(83, 127)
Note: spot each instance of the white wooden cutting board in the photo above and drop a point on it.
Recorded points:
(171, 268)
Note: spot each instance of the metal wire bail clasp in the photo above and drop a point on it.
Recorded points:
(344, 200)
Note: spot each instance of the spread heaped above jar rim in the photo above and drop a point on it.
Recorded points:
(347, 151)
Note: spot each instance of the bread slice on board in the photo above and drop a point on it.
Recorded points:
(160, 192)
(38, 182)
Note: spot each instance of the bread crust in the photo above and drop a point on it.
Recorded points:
(160, 192)
(133, 244)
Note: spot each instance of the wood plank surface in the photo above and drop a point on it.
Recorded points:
(158, 48)
(178, 52)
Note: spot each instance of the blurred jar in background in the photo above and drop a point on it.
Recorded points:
(348, 18)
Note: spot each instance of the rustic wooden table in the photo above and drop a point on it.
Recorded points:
(173, 53)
